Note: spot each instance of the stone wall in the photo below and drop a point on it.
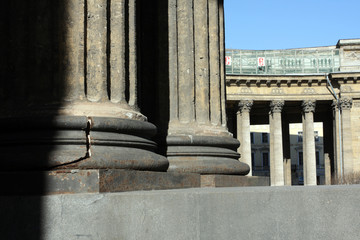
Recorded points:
(223, 213)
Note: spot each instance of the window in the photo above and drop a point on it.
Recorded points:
(300, 158)
(252, 159)
(252, 137)
(265, 138)
(265, 159)
(316, 135)
(300, 136)
(317, 158)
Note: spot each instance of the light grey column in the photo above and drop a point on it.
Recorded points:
(327, 169)
(309, 143)
(276, 145)
(243, 132)
(346, 104)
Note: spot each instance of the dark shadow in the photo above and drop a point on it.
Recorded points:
(31, 92)
(154, 64)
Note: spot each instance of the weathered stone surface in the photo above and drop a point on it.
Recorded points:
(74, 101)
(73, 142)
(197, 91)
(258, 213)
(205, 155)
(92, 181)
(233, 181)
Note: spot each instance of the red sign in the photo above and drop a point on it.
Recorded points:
(228, 61)
(261, 62)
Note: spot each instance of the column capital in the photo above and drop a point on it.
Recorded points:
(308, 106)
(346, 103)
(276, 106)
(245, 105)
(335, 105)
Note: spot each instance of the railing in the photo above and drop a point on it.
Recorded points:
(301, 61)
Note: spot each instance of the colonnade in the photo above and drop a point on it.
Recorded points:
(277, 158)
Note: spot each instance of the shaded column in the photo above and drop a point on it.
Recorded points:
(276, 145)
(309, 143)
(348, 162)
(338, 158)
(198, 139)
(243, 132)
(80, 100)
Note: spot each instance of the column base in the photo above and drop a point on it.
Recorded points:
(205, 155)
(78, 142)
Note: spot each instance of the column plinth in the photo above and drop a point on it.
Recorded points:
(276, 145)
(309, 169)
(198, 140)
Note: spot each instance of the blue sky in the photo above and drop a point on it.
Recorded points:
(281, 24)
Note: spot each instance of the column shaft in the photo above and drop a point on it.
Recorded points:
(336, 142)
(214, 48)
(276, 145)
(133, 81)
(96, 50)
(185, 36)
(243, 132)
(201, 60)
(117, 51)
(309, 143)
(346, 136)
(222, 62)
(173, 62)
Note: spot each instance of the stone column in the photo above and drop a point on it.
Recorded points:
(198, 140)
(276, 145)
(348, 164)
(75, 105)
(338, 170)
(327, 169)
(309, 143)
(243, 132)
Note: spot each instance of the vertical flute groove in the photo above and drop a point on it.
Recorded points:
(215, 110)
(201, 60)
(186, 60)
(173, 61)
(81, 55)
(72, 67)
(96, 50)
(117, 51)
(222, 62)
(132, 54)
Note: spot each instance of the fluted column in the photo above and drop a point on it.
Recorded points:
(336, 141)
(276, 145)
(309, 143)
(243, 132)
(198, 140)
(80, 96)
(348, 162)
